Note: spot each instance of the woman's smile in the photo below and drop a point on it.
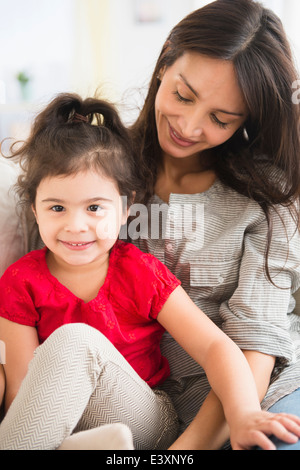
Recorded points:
(179, 140)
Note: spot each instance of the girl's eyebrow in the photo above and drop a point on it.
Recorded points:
(197, 95)
(93, 199)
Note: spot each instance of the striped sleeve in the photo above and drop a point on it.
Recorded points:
(256, 316)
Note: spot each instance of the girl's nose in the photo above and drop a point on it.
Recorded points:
(76, 223)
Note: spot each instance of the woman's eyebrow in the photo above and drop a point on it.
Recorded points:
(189, 85)
(197, 95)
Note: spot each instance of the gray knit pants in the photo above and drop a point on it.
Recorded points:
(76, 381)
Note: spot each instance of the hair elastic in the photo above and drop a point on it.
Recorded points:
(79, 118)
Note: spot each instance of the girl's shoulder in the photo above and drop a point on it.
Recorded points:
(126, 252)
(29, 263)
(129, 259)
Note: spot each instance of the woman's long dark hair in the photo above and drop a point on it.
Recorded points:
(265, 167)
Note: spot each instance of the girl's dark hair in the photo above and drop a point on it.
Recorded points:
(266, 166)
(73, 135)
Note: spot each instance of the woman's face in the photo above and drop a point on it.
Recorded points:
(199, 105)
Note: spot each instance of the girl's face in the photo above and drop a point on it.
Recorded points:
(199, 105)
(79, 216)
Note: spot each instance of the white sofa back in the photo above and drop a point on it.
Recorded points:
(12, 234)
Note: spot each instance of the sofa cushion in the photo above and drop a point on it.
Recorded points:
(12, 239)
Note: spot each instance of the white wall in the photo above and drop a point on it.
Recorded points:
(78, 45)
(289, 12)
(137, 46)
(36, 37)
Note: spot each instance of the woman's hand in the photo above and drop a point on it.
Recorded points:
(253, 430)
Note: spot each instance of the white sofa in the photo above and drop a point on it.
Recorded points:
(13, 244)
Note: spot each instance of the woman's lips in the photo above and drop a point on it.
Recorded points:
(77, 246)
(179, 140)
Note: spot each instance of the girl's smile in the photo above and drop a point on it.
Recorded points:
(77, 246)
(79, 217)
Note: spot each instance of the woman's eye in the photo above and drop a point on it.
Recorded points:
(94, 208)
(57, 208)
(180, 98)
(221, 124)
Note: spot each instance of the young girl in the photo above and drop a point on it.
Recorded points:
(82, 318)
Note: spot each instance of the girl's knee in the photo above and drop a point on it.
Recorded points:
(72, 341)
(72, 333)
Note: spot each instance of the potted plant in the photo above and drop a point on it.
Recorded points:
(24, 80)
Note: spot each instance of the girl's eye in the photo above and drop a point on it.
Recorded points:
(57, 208)
(94, 208)
(221, 124)
(181, 98)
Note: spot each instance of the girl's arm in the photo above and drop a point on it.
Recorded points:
(2, 384)
(20, 343)
(228, 373)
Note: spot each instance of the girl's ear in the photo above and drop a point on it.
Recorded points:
(126, 212)
(125, 216)
(34, 211)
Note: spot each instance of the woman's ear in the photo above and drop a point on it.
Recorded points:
(161, 73)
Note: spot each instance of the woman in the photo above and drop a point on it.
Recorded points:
(220, 137)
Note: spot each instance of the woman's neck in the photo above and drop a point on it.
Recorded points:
(189, 175)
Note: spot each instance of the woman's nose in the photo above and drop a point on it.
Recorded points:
(192, 124)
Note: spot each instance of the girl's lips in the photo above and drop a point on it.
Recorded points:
(77, 246)
(179, 140)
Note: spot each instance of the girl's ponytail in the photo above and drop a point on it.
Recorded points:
(71, 135)
(101, 113)
(71, 109)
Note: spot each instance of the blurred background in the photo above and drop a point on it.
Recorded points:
(84, 46)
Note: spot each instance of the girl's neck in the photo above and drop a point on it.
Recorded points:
(83, 281)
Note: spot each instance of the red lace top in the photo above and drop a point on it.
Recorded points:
(125, 310)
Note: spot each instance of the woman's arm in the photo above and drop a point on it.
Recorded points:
(228, 373)
(20, 343)
(209, 430)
